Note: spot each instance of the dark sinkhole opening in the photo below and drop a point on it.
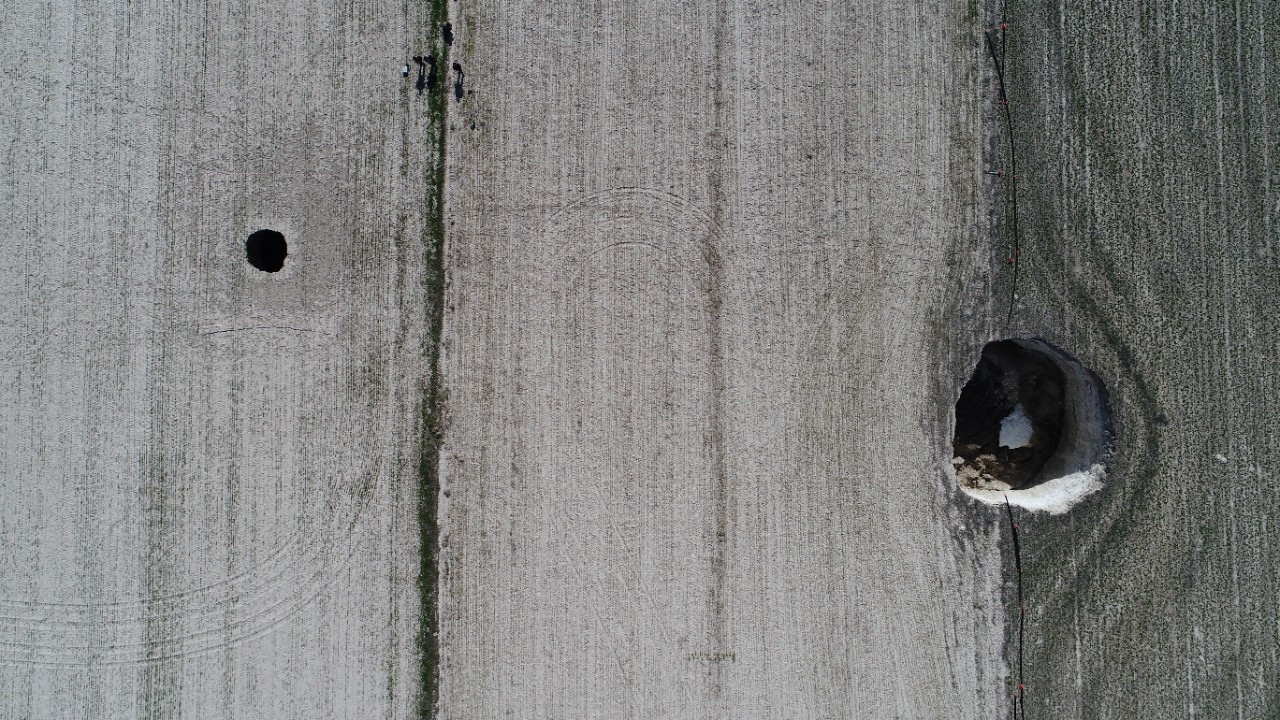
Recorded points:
(1031, 424)
(1009, 416)
(266, 250)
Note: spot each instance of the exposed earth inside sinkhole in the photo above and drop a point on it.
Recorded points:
(1030, 425)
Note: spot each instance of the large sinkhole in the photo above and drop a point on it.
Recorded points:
(266, 250)
(1031, 425)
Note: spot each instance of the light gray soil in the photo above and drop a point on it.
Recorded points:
(208, 473)
(694, 457)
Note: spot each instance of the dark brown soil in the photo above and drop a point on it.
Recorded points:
(1008, 373)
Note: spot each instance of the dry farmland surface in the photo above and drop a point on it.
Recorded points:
(210, 473)
(610, 372)
(697, 255)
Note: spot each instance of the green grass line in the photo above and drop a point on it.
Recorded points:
(432, 394)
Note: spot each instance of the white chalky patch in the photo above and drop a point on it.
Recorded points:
(1016, 429)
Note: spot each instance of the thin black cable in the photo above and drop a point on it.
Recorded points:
(1018, 700)
(1004, 25)
(998, 61)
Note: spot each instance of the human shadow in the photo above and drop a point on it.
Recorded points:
(426, 73)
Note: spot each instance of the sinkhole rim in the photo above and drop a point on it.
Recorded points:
(266, 250)
(1075, 468)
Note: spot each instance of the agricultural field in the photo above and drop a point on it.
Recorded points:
(698, 260)
(606, 362)
(1150, 200)
(210, 473)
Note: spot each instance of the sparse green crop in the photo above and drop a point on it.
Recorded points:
(431, 403)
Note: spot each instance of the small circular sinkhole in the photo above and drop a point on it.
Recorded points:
(266, 250)
(1030, 425)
